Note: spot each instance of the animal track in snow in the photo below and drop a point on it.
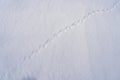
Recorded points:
(56, 34)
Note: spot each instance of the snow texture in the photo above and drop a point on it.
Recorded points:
(59, 39)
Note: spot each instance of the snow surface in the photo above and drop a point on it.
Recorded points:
(59, 40)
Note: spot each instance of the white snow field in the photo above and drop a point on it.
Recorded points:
(59, 39)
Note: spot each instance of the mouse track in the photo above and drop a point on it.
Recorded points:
(73, 25)
(63, 30)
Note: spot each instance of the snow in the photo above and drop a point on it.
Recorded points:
(59, 40)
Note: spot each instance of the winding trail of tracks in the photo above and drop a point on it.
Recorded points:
(56, 34)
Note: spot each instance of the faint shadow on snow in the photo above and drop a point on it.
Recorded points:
(29, 78)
